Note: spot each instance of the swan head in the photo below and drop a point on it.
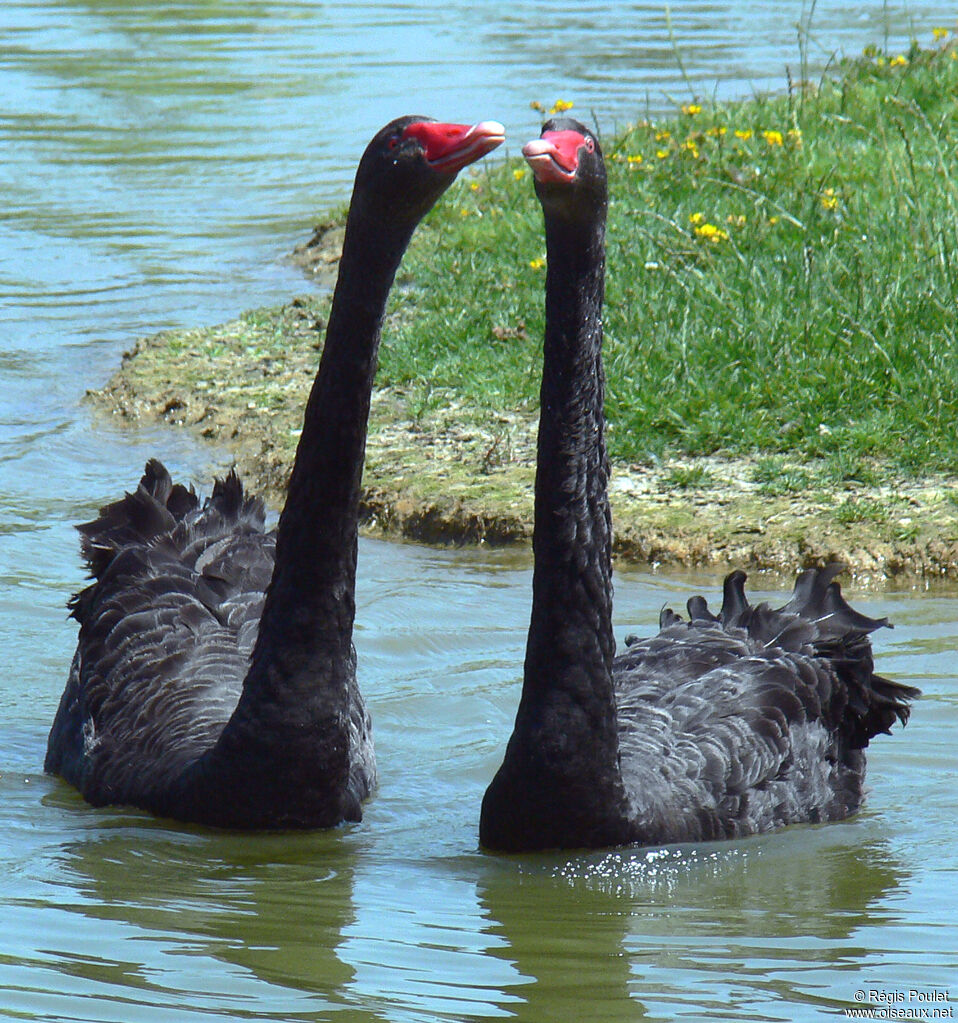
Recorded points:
(568, 167)
(412, 160)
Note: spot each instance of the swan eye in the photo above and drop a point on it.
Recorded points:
(589, 145)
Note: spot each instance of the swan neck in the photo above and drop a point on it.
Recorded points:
(570, 639)
(560, 785)
(303, 657)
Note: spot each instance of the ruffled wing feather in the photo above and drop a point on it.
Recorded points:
(743, 721)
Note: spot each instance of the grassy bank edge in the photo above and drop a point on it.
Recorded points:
(443, 467)
(458, 473)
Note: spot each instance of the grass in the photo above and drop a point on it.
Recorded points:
(782, 277)
(692, 477)
(854, 510)
(780, 340)
(775, 478)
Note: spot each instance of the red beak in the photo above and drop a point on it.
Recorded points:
(450, 147)
(555, 156)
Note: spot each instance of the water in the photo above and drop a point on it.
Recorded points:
(109, 914)
(158, 163)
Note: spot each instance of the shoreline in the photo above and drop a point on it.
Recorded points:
(457, 474)
(766, 310)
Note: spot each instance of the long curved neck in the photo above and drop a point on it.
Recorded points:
(307, 620)
(570, 646)
(293, 716)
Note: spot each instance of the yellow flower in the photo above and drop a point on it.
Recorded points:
(519, 173)
(560, 106)
(663, 136)
(899, 61)
(737, 219)
(690, 146)
(536, 264)
(536, 105)
(746, 134)
(939, 33)
(696, 218)
(661, 154)
(691, 109)
(635, 160)
(773, 220)
(773, 138)
(828, 199)
(463, 212)
(716, 130)
(474, 186)
(711, 233)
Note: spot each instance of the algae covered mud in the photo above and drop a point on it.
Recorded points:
(782, 388)
(457, 472)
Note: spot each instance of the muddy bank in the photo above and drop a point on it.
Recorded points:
(447, 472)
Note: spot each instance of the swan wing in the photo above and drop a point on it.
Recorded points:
(166, 630)
(741, 722)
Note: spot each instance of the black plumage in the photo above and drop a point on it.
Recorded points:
(724, 725)
(215, 675)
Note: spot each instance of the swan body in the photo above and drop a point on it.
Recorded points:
(743, 722)
(167, 633)
(215, 676)
(720, 726)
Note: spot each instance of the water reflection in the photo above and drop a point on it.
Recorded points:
(270, 910)
(742, 923)
(566, 943)
(401, 918)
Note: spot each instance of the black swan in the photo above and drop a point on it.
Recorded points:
(214, 679)
(719, 727)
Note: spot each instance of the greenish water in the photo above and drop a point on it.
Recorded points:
(111, 915)
(158, 162)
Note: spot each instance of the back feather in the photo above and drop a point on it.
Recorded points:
(752, 718)
(817, 622)
(160, 512)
